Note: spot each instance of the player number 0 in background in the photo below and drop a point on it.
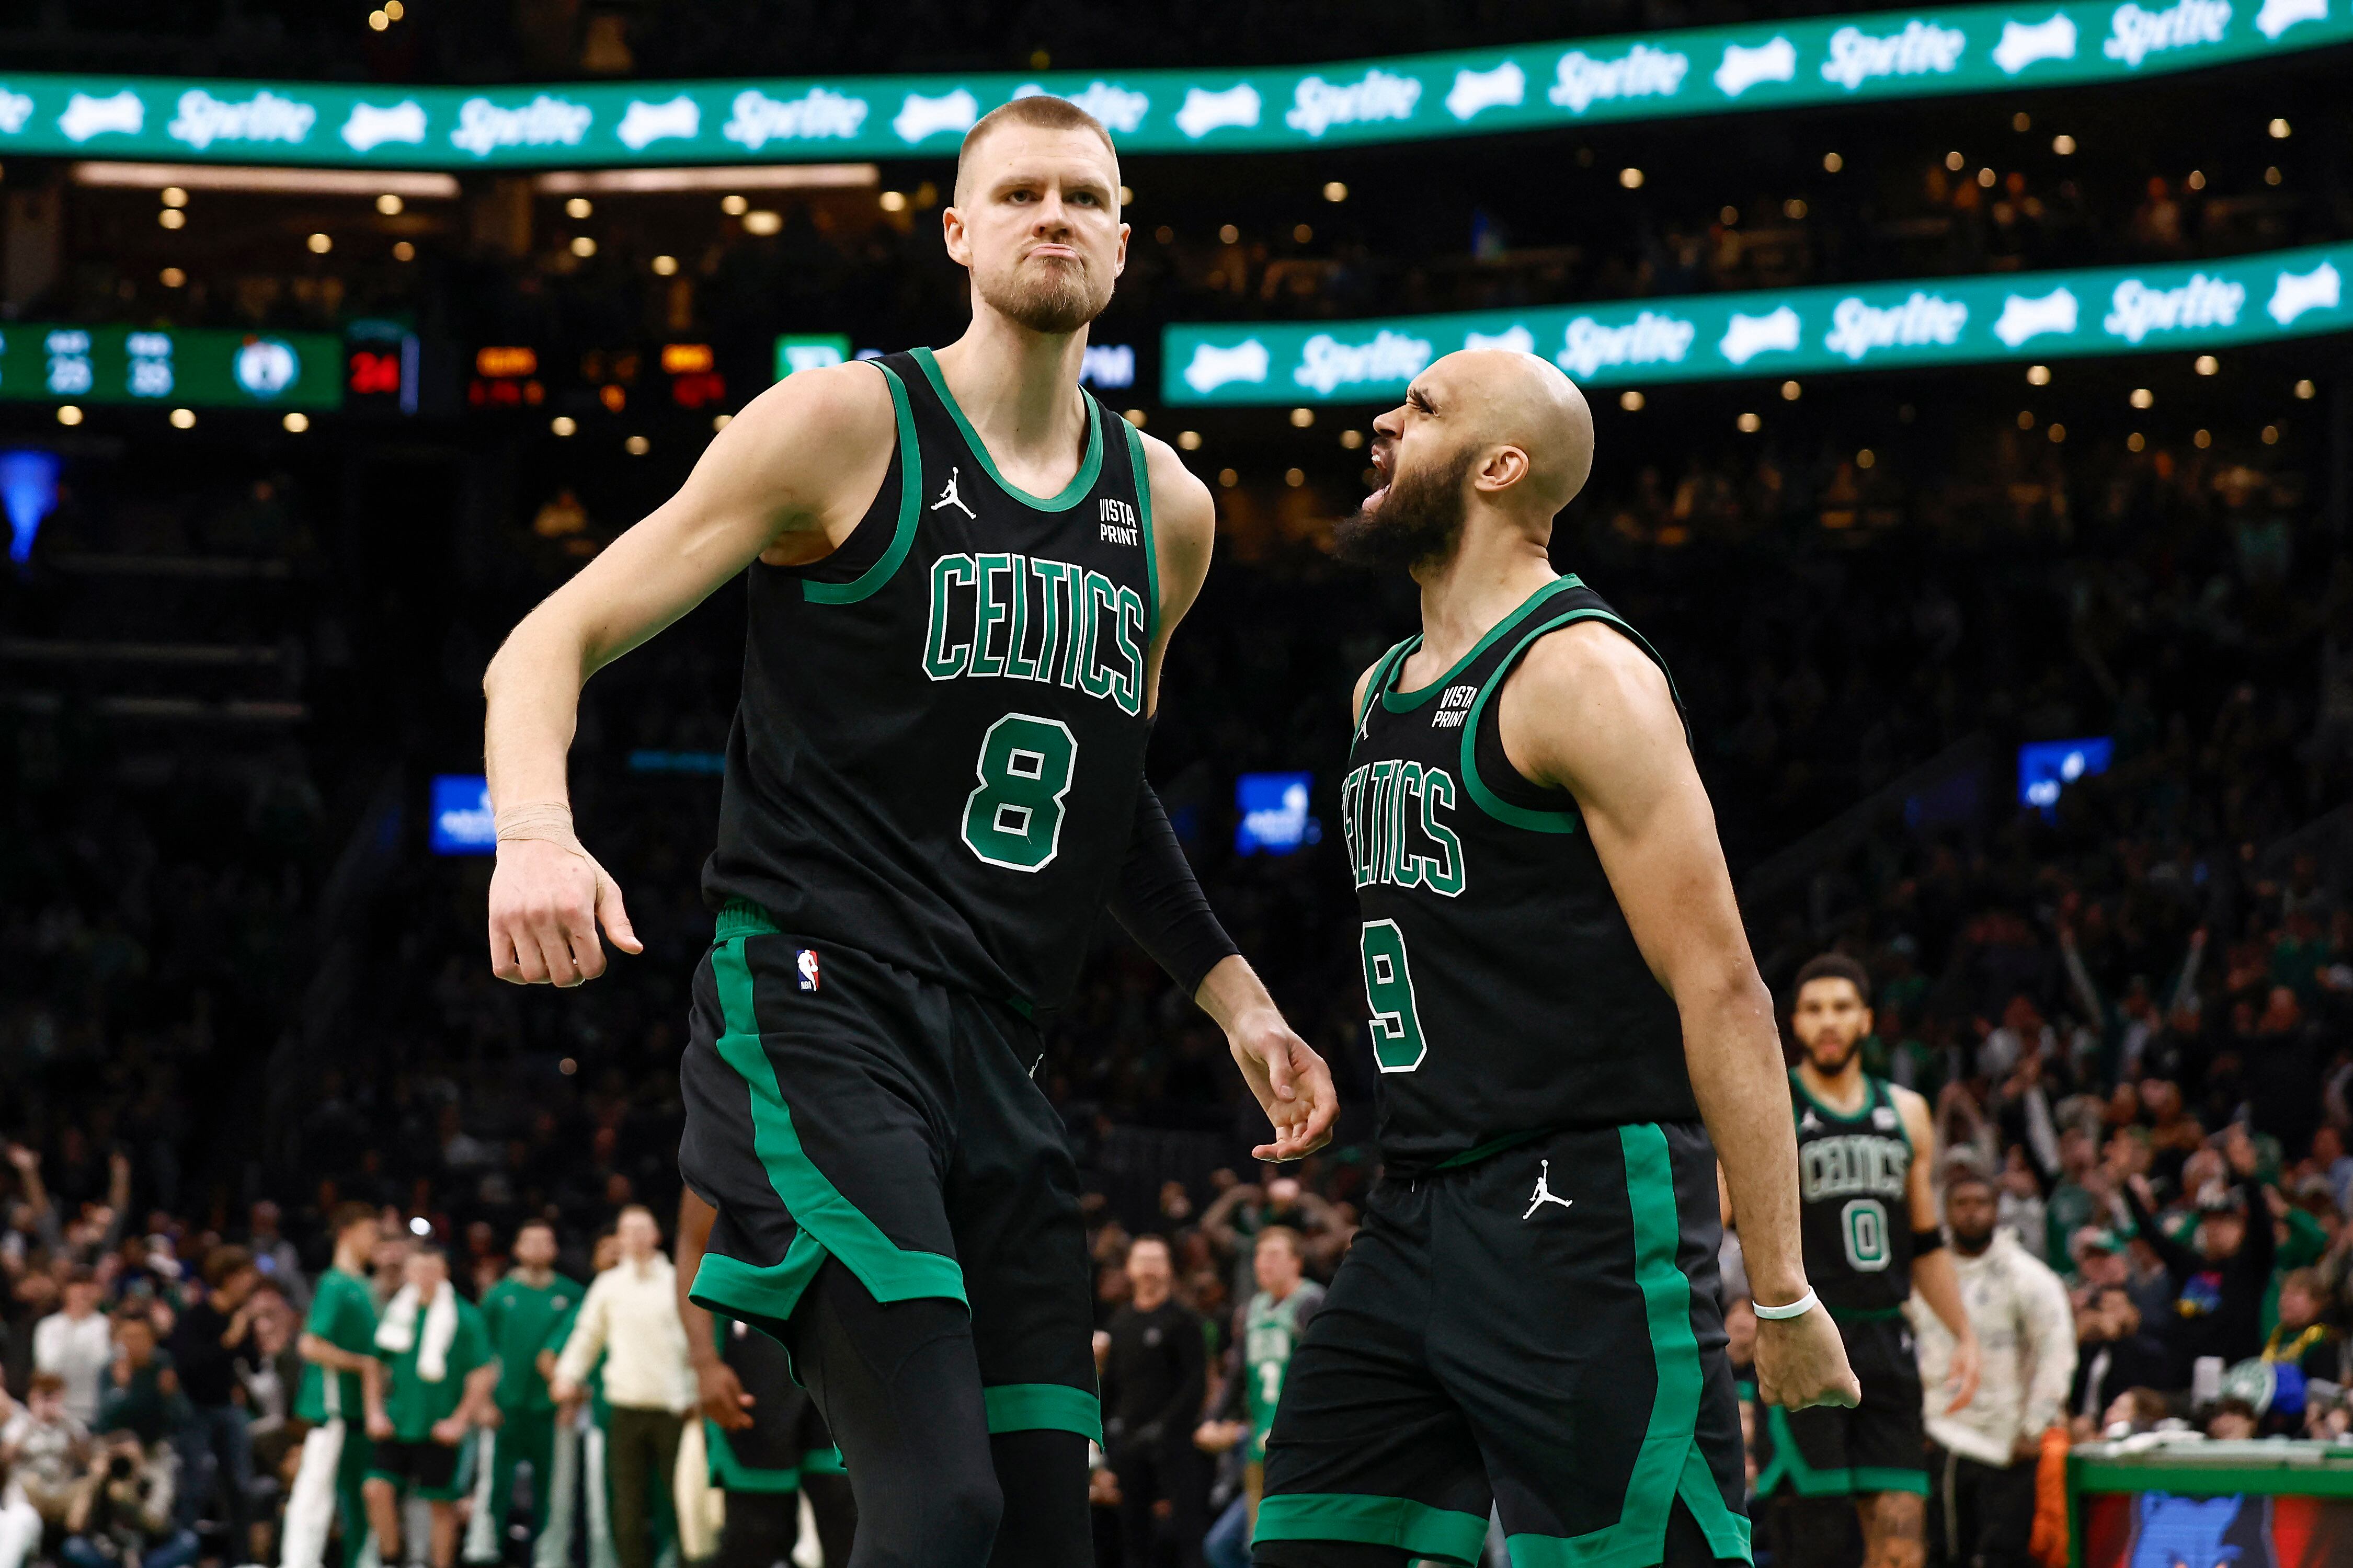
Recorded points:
(1864, 1221)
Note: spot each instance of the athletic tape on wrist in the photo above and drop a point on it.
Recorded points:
(1797, 1309)
(547, 821)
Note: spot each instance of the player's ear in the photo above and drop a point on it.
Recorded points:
(952, 233)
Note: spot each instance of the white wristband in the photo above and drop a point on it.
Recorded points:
(1797, 1309)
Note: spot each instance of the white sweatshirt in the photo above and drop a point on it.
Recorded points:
(630, 1313)
(2026, 1336)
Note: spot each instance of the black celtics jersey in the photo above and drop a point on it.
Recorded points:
(1855, 1211)
(942, 730)
(1507, 994)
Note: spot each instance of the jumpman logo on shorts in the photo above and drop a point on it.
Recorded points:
(1544, 1192)
(948, 496)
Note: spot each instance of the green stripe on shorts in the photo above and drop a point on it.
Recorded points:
(730, 1474)
(1043, 1407)
(1670, 1464)
(817, 1205)
(1444, 1533)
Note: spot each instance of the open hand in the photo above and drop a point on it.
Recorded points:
(1291, 1082)
(1961, 1375)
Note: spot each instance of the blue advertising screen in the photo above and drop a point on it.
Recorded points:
(463, 823)
(1273, 814)
(2046, 767)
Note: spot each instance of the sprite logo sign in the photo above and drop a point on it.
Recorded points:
(1890, 55)
(1945, 320)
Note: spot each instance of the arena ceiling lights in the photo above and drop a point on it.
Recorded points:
(2024, 316)
(1887, 56)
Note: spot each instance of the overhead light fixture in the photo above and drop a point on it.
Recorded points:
(646, 181)
(233, 178)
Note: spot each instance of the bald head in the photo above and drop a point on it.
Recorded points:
(1496, 398)
(1488, 433)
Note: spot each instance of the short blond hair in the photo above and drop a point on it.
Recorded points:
(1041, 110)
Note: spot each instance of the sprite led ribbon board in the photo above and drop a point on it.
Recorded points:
(2025, 316)
(1884, 56)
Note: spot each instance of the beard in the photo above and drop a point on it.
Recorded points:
(1416, 524)
(1058, 299)
(1838, 1064)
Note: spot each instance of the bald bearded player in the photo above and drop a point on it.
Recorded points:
(1570, 1033)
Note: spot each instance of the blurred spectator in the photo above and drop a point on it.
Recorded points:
(46, 1454)
(2219, 1283)
(1983, 1456)
(2113, 1354)
(123, 1513)
(1154, 1384)
(76, 1343)
(142, 1392)
(629, 1316)
(434, 1391)
(213, 1333)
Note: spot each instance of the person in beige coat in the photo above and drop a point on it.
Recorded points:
(630, 1318)
(1982, 1456)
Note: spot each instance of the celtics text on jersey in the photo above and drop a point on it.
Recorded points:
(1507, 992)
(1855, 1216)
(942, 730)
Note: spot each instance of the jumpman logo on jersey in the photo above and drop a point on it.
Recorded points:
(948, 496)
(1544, 1192)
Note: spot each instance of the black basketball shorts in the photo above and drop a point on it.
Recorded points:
(1877, 1447)
(1540, 1329)
(839, 1106)
(426, 1468)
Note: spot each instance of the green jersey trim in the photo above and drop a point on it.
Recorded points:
(1407, 702)
(911, 495)
(1447, 1534)
(1493, 805)
(831, 1222)
(1139, 465)
(823, 1462)
(1081, 482)
(1382, 669)
(1875, 1094)
(1043, 1407)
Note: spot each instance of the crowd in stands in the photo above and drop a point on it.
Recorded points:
(2133, 1011)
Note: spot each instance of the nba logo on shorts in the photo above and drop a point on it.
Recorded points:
(806, 959)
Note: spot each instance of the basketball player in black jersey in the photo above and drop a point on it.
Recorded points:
(1569, 1031)
(1866, 1152)
(962, 575)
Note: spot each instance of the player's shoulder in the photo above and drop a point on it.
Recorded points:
(850, 402)
(1592, 661)
(1911, 1105)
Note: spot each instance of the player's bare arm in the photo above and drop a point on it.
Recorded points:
(785, 482)
(1292, 1083)
(1589, 712)
(1932, 1272)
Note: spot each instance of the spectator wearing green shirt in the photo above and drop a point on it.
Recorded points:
(436, 1387)
(338, 1351)
(519, 1312)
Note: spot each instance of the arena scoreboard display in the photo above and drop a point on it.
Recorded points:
(175, 367)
